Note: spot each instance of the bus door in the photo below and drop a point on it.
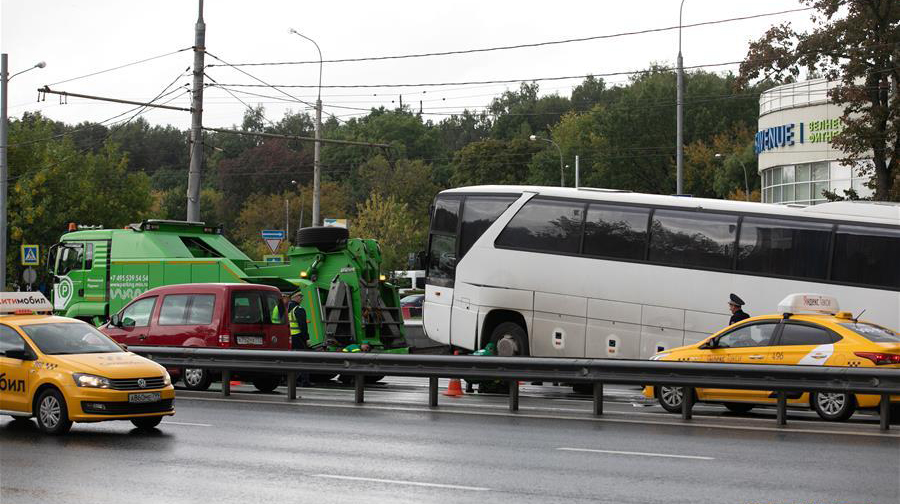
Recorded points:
(69, 280)
(441, 269)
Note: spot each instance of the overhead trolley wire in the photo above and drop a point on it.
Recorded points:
(120, 66)
(528, 45)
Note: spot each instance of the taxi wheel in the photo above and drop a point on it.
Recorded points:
(738, 407)
(834, 407)
(146, 423)
(52, 414)
(670, 398)
(196, 378)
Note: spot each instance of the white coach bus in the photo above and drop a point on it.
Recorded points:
(564, 272)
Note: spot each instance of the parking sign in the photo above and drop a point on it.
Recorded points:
(31, 255)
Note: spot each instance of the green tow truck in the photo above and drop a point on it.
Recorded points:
(347, 300)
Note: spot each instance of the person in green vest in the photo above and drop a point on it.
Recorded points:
(299, 330)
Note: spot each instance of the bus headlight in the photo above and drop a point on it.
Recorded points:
(92, 381)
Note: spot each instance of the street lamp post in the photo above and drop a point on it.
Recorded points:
(4, 169)
(317, 171)
(562, 173)
(746, 179)
(679, 114)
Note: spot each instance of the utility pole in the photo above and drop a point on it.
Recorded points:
(193, 194)
(317, 160)
(577, 174)
(4, 171)
(287, 222)
(679, 114)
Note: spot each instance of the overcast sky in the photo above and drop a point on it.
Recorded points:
(80, 37)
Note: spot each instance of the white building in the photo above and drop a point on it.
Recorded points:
(796, 159)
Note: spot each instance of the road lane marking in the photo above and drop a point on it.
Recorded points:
(402, 482)
(188, 424)
(642, 454)
(520, 414)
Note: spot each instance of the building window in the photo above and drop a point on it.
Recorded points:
(804, 184)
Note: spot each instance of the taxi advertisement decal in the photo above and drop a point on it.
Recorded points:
(7, 385)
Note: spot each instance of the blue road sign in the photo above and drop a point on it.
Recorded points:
(273, 234)
(31, 255)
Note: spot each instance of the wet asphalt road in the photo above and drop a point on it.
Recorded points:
(322, 449)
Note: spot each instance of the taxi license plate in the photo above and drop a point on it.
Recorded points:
(144, 397)
(249, 340)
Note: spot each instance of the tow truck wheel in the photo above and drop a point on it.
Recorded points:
(52, 414)
(670, 398)
(146, 423)
(196, 378)
(833, 407)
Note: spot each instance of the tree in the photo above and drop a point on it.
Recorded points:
(709, 176)
(494, 162)
(856, 42)
(389, 222)
(409, 181)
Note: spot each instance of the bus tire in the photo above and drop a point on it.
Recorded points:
(670, 398)
(833, 407)
(324, 238)
(196, 378)
(266, 383)
(510, 339)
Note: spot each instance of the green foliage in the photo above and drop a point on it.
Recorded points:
(391, 223)
(493, 162)
(53, 183)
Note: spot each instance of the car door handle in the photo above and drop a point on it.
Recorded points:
(755, 357)
(142, 336)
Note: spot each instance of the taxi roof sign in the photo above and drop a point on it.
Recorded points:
(804, 302)
(18, 302)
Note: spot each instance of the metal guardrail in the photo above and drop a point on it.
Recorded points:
(778, 378)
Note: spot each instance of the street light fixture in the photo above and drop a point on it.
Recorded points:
(562, 173)
(4, 169)
(317, 172)
(746, 180)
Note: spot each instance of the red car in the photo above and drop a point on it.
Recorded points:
(412, 306)
(206, 315)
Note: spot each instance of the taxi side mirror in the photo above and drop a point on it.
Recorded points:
(18, 353)
(709, 344)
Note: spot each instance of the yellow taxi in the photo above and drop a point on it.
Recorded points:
(61, 370)
(809, 331)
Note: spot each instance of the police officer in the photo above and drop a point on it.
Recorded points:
(299, 331)
(737, 314)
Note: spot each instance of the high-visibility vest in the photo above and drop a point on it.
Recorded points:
(295, 325)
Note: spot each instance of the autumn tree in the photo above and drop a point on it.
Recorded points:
(390, 222)
(855, 42)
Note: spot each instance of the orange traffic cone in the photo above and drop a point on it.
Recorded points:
(455, 388)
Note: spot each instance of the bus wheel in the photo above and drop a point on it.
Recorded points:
(510, 339)
(834, 407)
(266, 383)
(196, 378)
(670, 398)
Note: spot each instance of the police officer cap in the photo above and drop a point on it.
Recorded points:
(735, 300)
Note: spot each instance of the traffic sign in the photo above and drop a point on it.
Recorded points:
(31, 255)
(29, 275)
(274, 258)
(329, 222)
(273, 238)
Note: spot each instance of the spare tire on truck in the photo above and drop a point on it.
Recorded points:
(324, 238)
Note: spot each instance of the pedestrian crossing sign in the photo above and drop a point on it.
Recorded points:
(31, 255)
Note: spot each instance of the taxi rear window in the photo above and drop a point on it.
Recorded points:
(69, 338)
(874, 333)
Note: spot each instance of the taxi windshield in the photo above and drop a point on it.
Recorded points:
(873, 333)
(69, 338)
